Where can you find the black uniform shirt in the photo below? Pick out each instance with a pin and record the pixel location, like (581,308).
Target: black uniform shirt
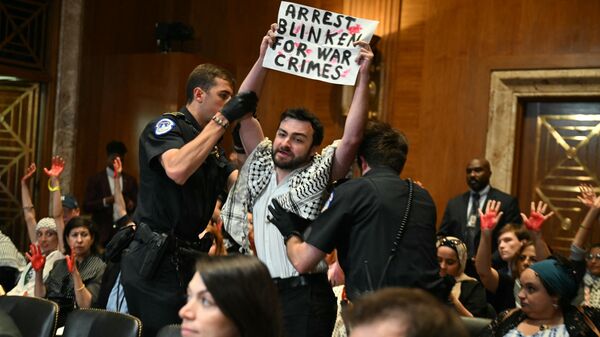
(361,222)
(163,204)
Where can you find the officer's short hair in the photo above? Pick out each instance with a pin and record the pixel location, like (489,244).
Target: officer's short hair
(383,146)
(203,76)
(304,115)
(416,311)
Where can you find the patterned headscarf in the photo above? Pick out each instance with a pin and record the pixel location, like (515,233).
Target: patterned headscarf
(46,223)
(461,252)
(458,246)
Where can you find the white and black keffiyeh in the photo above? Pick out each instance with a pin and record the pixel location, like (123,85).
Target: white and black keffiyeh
(305,196)
(591,288)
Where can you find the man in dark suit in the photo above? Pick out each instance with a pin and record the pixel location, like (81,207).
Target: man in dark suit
(99,199)
(461,218)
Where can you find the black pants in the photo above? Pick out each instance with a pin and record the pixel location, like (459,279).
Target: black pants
(309,305)
(156,302)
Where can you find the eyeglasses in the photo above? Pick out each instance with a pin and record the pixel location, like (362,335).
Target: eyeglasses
(591,256)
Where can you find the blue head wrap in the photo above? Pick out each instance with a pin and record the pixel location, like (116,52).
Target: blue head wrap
(557,278)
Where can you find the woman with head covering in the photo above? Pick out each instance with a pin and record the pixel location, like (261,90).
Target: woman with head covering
(468,295)
(231,296)
(548,287)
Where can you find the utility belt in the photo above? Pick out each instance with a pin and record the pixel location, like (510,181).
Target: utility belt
(300,281)
(157,245)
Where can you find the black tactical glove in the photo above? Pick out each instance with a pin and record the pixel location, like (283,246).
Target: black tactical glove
(288,223)
(239,105)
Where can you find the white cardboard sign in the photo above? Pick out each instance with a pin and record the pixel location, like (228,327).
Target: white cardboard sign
(318,44)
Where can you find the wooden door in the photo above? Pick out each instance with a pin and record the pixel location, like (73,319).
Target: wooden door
(559,150)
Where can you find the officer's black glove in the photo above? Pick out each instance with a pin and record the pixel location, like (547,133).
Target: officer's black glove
(239,105)
(288,223)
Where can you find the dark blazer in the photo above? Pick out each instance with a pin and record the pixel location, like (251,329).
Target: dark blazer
(455,216)
(98,188)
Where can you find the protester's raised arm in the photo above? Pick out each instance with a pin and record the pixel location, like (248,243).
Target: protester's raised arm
(483,260)
(27,203)
(357,116)
(251,132)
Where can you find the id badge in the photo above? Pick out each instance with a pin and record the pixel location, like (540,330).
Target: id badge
(472,220)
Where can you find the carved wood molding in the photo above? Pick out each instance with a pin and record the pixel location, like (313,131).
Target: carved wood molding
(507,88)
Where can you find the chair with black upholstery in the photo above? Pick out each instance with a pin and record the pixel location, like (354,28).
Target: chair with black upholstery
(101,323)
(475,325)
(172,330)
(33,316)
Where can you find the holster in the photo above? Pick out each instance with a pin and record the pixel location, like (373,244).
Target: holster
(154,245)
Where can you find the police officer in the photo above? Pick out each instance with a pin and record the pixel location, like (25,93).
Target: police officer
(182,172)
(364,221)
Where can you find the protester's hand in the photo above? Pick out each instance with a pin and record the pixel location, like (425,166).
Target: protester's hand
(287,222)
(489,220)
(268,40)
(536,216)
(117,167)
(239,105)
(29,172)
(71,265)
(335,274)
(364,57)
(588,197)
(35,256)
(58,165)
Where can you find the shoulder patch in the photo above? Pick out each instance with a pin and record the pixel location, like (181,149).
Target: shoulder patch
(163,126)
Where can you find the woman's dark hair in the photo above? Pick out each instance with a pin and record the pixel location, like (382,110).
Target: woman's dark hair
(420,313)
(244,291)
(76,222)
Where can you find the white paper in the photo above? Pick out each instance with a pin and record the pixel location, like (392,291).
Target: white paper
(318,44)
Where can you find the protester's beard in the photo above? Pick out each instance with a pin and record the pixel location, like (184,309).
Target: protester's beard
(291,163)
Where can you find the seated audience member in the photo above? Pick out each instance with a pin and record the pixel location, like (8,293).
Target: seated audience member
(231,296)
(74,282)
(111,295)
(70,208)
(591,279)
(99,196)
(403,312)
(11,262)
(549,286)
(514,248)
(45,235)
(468,295)
(46,245)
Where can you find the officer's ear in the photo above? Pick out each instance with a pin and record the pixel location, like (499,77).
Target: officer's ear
(199,94)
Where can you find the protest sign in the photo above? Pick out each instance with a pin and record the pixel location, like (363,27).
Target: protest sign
(318,44)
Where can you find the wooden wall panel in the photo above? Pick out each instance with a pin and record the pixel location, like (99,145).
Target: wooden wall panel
(449,49)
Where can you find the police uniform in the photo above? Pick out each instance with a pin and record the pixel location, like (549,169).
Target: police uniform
(166,209)
(362,220)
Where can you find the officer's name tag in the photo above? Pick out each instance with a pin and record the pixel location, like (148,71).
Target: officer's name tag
(472,220)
